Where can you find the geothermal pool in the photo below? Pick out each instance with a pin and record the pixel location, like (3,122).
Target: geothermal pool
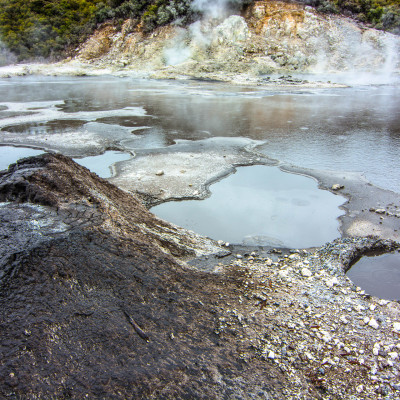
(378,275)
(103,122)
(261,206)
(10,154)
(345,129)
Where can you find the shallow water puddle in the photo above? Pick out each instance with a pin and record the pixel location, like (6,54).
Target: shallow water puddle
(261,205)
(102,164)
(10,154)
(378,275)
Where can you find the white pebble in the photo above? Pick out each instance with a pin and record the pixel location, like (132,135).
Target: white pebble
(306,272)
(373,323)
(332,282)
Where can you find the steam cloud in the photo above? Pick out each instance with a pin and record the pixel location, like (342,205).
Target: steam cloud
(362,60)
(199,32)
(6,56)
(217,8)
(210,8)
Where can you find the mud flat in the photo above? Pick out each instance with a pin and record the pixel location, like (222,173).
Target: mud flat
(98,300)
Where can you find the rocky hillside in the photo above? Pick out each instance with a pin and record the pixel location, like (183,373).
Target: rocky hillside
(270,36)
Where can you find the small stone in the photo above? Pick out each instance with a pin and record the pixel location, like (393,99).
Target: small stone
(283,273)
(309,355)
(271,355)
(331,282)
(239,256)
(337,186)
(160,172)
(383,302)
(380,211)
(396,327)
(306,272)
(373,323)
(393,355)
(326,337)
(344,320)
(321,371)
(359,388)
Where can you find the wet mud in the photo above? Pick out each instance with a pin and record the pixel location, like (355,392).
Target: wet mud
(98,301)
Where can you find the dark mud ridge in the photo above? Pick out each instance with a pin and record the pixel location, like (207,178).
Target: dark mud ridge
(97,302)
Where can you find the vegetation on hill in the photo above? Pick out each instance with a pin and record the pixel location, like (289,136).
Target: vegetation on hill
(381,14)
(49,28)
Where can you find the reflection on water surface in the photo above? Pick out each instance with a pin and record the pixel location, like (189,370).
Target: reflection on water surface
(9,155)
(378,275)
(102,164)
(348,129)
(261,206)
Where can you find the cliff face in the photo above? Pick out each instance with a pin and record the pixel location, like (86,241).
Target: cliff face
(271,36)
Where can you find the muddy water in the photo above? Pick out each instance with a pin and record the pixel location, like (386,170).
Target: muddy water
(10,154)
(261,205)
(350,129)
(343,129)
(102,165)
(378,275)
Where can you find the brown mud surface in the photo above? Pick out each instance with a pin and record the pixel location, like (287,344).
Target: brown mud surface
(97,301)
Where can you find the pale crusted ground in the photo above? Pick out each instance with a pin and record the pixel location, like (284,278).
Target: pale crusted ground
(326,331)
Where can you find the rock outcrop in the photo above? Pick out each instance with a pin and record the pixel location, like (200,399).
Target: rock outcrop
(96,303)
(92,304)
(271,36)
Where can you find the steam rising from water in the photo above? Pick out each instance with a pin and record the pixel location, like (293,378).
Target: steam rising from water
(199,35)
(361,59)
(6,56)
